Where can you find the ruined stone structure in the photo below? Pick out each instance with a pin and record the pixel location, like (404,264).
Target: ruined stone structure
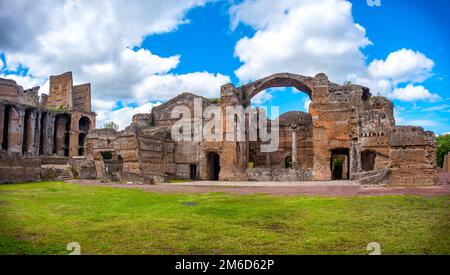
(42,130)
(347,134)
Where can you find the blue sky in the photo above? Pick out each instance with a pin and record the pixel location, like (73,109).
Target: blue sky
(147,53)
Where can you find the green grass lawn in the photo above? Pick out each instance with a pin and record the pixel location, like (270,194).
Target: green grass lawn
(42,218)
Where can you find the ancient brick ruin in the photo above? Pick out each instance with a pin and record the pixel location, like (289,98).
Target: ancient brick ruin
(347,134)
(40,131)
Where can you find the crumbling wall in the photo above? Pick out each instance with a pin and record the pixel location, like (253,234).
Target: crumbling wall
(413,157)
(82,97)
(60,93)
(31,134)
(19,169)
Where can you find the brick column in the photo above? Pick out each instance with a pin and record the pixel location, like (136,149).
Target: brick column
(48,133)
(15,130)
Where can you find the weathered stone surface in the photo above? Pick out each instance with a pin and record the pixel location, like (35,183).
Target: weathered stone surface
(278,174)
(18,168)
(345,124)
(51,129)
(82,168)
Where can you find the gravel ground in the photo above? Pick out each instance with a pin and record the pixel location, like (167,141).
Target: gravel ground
(322,189)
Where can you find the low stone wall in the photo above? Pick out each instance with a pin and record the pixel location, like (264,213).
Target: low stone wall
(278,174)
(50,173)
(18,169)
(137,179)
(83,169)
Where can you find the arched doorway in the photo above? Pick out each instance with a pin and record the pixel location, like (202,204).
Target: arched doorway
(84,125)
(213,166)
(295,86)
(61,137)
(299,82)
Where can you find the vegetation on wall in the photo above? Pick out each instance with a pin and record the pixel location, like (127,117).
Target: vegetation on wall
(443,148)
(111,125)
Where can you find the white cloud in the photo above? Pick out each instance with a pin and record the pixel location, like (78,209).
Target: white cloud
(262,98)
(94,40)
(302,36)
(441,108)
(306,105)
(413,93)
(123,116)
(419,122)
(403,66)
(163,87)
(308,37)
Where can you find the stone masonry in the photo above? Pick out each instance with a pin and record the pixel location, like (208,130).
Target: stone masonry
(347,134)
(42,130)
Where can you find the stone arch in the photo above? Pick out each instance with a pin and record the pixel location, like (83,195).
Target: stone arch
(61,137)
(301,83)
(84,124)
(12,133)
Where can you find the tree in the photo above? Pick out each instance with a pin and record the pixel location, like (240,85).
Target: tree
(443,147)
(111,125)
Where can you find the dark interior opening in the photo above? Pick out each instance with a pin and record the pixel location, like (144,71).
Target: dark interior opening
(81,142)
(6,128)
(340,164)
(193,172)
(61,137)
(84,125)
(213,160)
(288,162)
(107,155)
(26,132)
(113,163)
(42,134)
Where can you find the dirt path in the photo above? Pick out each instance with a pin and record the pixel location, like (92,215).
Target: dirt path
(282,189)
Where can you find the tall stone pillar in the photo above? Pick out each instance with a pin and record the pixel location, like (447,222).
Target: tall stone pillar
(294,146)
(48,133)
(31,134)
(15,130)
